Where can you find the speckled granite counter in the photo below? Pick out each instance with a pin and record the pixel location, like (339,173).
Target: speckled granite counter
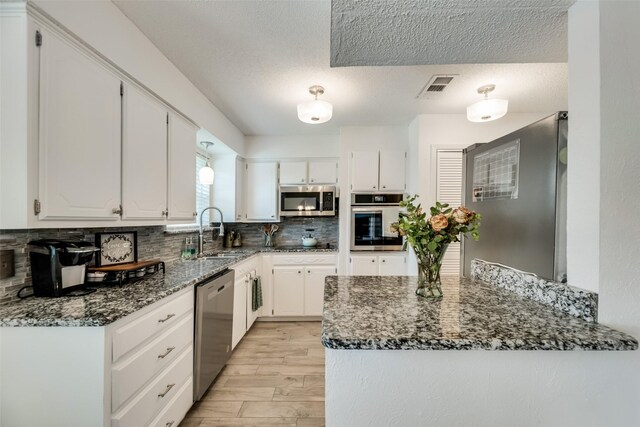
(109,304)
(383,313)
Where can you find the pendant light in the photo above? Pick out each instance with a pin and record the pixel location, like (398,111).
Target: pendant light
(487,109)
(315,111)
(206,172)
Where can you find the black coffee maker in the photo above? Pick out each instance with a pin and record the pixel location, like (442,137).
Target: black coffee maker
(58,267)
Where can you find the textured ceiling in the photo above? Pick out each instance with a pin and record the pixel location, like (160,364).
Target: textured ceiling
(255,59)
(412,32)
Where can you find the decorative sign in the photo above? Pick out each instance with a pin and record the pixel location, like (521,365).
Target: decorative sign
(496,173)
(117,248)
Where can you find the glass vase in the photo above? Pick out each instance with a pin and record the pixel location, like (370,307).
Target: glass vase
(429,264)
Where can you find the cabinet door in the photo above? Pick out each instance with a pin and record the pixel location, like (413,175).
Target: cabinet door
(392,265)
(239,309)
(392,170)
(288,291)
(262,195)
(293,172)
(364,171)
(314,288)
(241,213)
(364,265)
(144,156)
(79,134)
(182,169)
(323,172)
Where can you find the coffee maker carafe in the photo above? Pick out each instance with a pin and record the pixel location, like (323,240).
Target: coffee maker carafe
(57,266)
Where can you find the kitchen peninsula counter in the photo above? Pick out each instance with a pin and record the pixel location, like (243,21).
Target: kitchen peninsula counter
(383,313)
(447,373)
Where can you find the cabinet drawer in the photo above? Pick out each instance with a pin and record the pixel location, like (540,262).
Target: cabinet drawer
(304,259)
(175,410)
(129,336)
(157,395)
(133,372)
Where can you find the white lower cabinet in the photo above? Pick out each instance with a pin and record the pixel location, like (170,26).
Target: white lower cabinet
(298,284)
(243,315)
(378,265)
(152,363)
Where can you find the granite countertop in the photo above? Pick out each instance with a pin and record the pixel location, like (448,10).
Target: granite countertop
(110,303)
(383,313)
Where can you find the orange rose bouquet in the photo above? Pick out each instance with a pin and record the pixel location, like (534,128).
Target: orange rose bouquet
(430,236)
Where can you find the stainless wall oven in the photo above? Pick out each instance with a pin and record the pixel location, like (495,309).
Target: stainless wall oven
(371,219)
(307,200)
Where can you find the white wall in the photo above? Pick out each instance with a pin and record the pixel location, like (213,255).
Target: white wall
(292,146)
(361,138)
(101,24)
(583,169)
(619,289)
(455,130)
(481,388)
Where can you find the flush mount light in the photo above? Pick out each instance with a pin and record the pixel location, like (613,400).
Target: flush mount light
(315,111)
(487,109)
(206,172)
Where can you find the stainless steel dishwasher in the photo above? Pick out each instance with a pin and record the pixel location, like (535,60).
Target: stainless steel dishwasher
(213,329)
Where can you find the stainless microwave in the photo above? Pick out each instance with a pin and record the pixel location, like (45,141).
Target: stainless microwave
(307,200)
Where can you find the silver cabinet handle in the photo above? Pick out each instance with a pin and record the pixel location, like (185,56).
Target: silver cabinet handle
(312,180)
(384,260)
(117,211)
(302,180)
(169,424)
(165,212)
(168,389)
(374,187)
(169,316)
(308,271)
(195,214)
(166,353)
(373,260)
(384,186)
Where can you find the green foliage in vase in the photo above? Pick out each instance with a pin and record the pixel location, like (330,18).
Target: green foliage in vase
(430,233)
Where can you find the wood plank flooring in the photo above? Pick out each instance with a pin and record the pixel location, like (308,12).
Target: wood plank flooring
(274,378)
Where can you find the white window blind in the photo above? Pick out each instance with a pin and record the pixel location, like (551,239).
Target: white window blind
(203,192)
(449,190)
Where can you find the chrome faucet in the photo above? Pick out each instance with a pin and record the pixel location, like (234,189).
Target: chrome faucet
(201,234)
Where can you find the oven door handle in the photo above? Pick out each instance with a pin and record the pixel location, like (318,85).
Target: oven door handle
(366,210)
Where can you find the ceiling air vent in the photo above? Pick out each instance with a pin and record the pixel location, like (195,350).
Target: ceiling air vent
(436,85)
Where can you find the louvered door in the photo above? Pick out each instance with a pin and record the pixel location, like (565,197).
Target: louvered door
(449,190)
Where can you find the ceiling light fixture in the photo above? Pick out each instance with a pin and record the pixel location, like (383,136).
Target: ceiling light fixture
(487,109)
(315,111)
(206,173)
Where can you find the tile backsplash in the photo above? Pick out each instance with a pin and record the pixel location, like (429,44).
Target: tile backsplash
(154,242)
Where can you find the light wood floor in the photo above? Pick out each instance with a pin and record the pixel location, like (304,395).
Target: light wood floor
(274,378)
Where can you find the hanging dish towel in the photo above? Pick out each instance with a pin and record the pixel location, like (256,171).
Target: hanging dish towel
(256,293)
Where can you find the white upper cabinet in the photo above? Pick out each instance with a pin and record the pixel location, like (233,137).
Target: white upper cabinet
(144,156)
(364,171)
(323,172)
(293,173)
(392,171)
(261,191)
(378,171)
(182,169)
(228,187)
(79,142)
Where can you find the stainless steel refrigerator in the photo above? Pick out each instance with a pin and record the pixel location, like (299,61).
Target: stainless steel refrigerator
(518,184)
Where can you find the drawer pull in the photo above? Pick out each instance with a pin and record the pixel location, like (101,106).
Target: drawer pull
(169,350)
(169,316)
(169,387)
(170,423)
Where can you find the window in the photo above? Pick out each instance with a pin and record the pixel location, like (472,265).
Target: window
(203,192)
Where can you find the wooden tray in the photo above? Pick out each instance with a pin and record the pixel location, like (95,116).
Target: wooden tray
(120,272)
